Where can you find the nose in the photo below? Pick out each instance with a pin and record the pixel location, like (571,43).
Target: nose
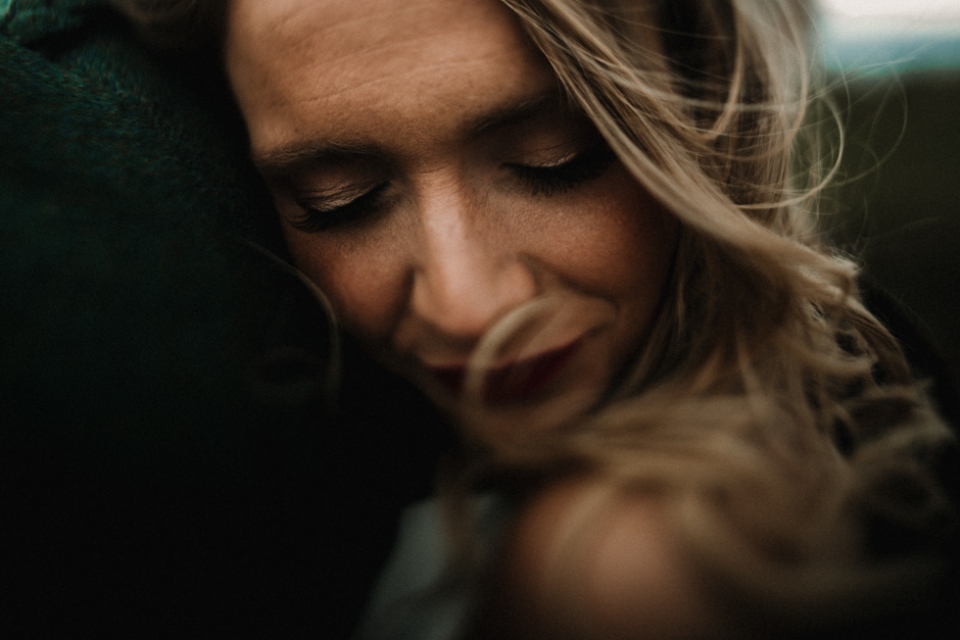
(469,272)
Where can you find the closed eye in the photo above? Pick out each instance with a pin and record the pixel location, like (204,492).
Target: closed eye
(548,180)
(320,215)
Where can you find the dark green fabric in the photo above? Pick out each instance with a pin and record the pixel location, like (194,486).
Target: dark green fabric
(107,253)
(167,465)
(27,22)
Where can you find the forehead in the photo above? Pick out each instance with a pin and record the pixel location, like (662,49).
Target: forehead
(341,69)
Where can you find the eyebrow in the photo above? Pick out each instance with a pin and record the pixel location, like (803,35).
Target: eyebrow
(281,159)
(531,107)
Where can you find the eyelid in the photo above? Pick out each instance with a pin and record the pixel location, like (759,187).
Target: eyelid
(552,164)
(316,217)
(571,155)
(583,166)
(327,184)
(554,148)
(335,199)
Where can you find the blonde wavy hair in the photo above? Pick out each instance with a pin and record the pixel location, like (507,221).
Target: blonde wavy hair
(775,414)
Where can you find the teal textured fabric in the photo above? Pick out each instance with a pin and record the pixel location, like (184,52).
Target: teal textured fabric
(25,22)
(167,463)
(115,194)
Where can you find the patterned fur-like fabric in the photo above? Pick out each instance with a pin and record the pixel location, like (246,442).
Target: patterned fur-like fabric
(167,464)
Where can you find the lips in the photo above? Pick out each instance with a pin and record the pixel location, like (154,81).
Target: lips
(515,381)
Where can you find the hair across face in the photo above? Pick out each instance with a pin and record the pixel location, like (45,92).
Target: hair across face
(431,177)
(596,192)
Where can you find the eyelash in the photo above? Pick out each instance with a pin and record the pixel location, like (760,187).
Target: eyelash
(541,180)
(552,180)
(367,205)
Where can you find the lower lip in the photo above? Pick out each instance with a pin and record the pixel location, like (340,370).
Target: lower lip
(518,381)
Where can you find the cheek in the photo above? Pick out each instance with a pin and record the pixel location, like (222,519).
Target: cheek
(363,281)
(618,244)
(627,254)
(641,253)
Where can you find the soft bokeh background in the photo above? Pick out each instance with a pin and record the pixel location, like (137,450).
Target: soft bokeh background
(896,69)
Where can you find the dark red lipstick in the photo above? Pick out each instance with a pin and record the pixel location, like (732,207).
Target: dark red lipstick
(514,381)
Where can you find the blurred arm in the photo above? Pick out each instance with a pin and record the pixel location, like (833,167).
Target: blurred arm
(624,575)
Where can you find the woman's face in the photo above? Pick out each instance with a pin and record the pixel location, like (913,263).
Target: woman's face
(430,178)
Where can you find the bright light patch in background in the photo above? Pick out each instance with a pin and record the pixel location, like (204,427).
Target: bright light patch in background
(891,34)
(921,9)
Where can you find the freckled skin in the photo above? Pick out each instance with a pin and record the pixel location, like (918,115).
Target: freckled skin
(462,241)
(464,238)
